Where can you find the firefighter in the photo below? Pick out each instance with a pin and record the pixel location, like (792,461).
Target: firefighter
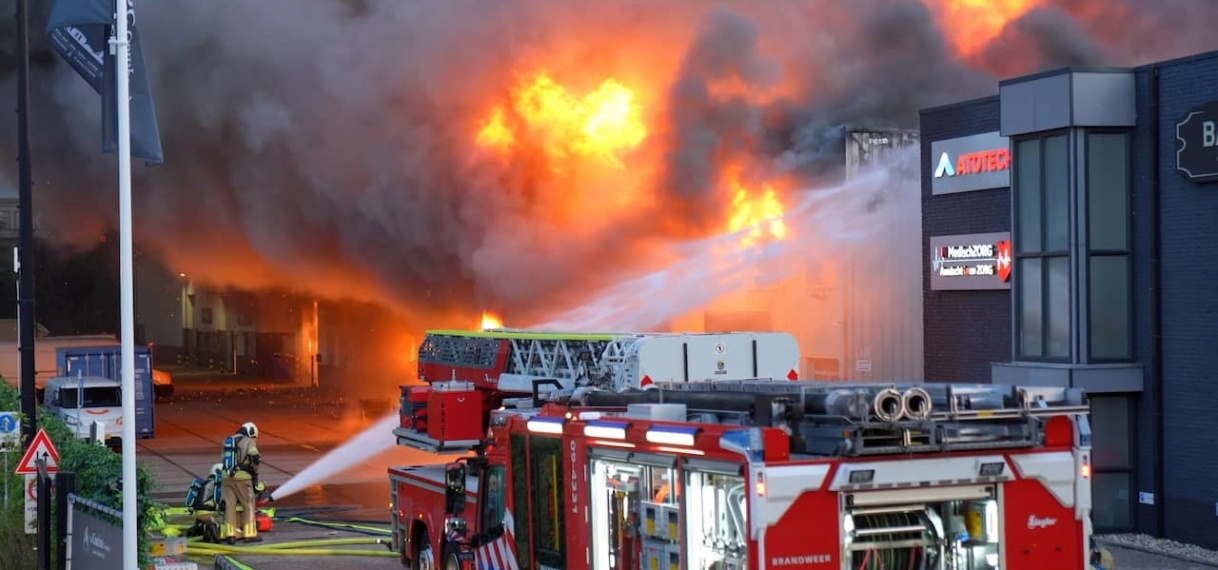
(237,488)
(209,495)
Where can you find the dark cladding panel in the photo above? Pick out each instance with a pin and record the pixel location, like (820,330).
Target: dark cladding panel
(965,331)
(1104,99)
(1035,105)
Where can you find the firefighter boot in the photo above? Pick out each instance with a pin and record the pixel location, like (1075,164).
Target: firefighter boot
(251,532)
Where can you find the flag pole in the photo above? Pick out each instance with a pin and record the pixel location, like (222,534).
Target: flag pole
(122,44)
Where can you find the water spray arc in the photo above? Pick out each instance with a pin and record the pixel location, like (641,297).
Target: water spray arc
(377,439)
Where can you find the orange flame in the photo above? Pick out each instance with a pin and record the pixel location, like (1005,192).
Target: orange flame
(760,215)
(970,25)
(601,124)
(496,133)
(491,321)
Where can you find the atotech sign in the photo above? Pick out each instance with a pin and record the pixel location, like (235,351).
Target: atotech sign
(965,164)
(971,262)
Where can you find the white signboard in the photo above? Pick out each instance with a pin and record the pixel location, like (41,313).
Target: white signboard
(31,504)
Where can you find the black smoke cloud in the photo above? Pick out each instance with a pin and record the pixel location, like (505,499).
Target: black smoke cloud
(325,145)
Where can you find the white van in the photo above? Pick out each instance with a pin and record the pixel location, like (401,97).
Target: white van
(84,400)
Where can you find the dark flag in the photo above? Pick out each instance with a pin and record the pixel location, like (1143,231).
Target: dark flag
(80,31)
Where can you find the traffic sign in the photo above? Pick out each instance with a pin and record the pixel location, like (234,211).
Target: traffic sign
(10,430)
(40,448)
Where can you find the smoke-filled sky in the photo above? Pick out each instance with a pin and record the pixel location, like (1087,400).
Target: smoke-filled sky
(329,145)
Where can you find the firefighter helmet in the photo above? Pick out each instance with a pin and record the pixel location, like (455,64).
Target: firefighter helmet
(217,470)
(250,429)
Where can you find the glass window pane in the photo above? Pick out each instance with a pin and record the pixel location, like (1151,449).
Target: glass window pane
(520,499)
(1027,192)
(494,503)
(1110,307)
(1110,504)
(1031,337)
(548,500)
(1058,300)
(1057,193)
(1107,190)
(1110,432)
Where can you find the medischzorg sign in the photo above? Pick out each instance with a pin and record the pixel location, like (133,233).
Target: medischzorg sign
(977,162)
(970,262)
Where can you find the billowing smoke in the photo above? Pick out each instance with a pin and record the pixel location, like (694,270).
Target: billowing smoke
(327,145)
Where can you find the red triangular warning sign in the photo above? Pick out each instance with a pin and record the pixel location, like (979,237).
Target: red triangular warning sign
(41,447)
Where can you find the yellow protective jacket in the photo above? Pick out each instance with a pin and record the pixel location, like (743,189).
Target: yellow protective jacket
(247,458)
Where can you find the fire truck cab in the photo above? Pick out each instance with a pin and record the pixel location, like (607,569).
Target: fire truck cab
(752,474)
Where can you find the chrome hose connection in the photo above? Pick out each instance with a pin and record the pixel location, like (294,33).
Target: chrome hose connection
(917,403)
(889,405)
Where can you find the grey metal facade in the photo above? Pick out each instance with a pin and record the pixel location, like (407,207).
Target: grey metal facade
(1155,409)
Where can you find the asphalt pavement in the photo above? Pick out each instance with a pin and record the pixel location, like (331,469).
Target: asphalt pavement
(1129,559)
(299,428)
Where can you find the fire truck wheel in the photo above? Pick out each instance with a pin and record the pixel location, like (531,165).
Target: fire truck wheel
(451,562)
(424,558)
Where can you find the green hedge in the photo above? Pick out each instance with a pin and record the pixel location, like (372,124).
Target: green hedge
(98,478)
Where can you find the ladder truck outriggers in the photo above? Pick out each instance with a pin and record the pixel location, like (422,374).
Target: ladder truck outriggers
(737,471)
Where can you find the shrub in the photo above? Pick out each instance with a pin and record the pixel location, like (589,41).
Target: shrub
(98,478)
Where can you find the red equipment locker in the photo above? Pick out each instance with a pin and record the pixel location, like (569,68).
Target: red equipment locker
(454,412)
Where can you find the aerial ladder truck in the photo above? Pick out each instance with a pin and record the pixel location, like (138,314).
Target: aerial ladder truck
(746,470)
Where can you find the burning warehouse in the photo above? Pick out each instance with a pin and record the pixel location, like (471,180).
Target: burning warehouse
(616,166)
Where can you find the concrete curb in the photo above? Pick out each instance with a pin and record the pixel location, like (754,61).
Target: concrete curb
(1145,550)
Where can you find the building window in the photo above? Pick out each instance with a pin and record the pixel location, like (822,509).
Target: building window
(1110,310)
(1042,252)
(1112,460)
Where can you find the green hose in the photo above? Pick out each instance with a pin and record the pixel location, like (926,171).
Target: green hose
(324,542)
(341,525)
(253,550)
(300,547)
(236,564)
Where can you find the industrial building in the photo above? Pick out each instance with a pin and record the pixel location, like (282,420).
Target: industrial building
(1066,232)
(856,317)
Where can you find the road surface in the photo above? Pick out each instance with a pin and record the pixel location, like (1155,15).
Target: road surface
(298,428)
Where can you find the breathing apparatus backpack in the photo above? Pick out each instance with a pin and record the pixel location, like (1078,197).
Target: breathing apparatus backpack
(194,498)
(229,455)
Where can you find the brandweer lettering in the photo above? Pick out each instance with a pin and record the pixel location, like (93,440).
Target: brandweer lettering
(983,161)
(802,559)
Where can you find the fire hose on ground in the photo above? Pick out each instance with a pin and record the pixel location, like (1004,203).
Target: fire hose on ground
(341,525)
(296,548)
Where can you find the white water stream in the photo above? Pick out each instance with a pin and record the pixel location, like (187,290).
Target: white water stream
(826,223)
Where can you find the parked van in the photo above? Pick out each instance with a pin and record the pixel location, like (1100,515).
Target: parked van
(84,400)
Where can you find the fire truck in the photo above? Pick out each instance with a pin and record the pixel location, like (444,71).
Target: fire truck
(507,367)
(732,473)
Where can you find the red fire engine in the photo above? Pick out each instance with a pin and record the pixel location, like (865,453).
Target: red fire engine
(709,473)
